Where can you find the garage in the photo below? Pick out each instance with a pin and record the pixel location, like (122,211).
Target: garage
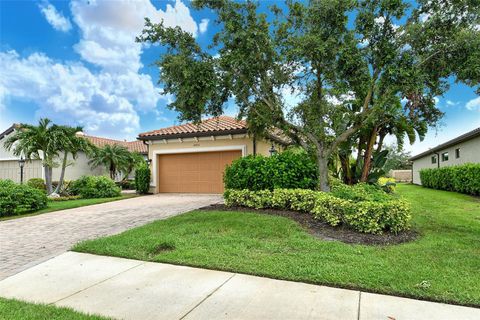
(198,172)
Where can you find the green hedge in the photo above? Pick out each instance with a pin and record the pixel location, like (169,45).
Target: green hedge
(392,215)
(284,170)
(20,198)
(95,187)
(463,178)
(142,179)
(37,183)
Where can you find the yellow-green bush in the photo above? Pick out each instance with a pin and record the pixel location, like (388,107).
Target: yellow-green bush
(387,184)
(367,216)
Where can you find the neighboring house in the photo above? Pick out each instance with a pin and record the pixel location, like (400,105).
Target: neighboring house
(191,158)
(462,149)
(9,168)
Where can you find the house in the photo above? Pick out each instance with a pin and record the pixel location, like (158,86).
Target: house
(9,166)
(191,157)
(462,149)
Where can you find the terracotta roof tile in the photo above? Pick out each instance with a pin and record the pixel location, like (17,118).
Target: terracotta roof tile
(133,146)
(212,125)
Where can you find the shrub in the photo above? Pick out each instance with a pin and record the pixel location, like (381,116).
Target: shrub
(142,179)
(387,184)
(18,198)
(126,184)
(37,183)
(288,170)
(462,178)
(65,189)
(95,187)
(368,216)
(360,192)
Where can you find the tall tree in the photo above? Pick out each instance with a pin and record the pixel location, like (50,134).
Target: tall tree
(68,143)
(35,142)
(344,78)
(114,157)
(135,160)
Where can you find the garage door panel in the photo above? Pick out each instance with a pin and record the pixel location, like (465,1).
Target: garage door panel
(193,172)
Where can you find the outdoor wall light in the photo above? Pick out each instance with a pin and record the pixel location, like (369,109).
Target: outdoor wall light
(272,150)
(21,164)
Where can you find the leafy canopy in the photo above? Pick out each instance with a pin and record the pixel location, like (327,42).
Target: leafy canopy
(384,67)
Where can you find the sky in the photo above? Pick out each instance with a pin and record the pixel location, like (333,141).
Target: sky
(76,62)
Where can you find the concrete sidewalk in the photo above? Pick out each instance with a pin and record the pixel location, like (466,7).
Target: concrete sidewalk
(131,289)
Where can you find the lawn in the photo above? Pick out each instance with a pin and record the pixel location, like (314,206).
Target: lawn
(441,265)
(14,309)
(68,204)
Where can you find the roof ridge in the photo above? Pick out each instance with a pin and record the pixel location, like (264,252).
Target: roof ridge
(213,124)
(461,138)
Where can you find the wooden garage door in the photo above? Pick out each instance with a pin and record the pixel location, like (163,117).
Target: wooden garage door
(193,172)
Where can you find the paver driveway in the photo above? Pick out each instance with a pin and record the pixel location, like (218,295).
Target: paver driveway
(28,241)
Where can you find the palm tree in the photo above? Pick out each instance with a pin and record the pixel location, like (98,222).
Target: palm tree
(68,142)
(134,161)
(35,142)
(114,157)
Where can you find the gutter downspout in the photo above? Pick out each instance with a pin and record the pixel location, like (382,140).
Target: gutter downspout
(438,159)
(254,145)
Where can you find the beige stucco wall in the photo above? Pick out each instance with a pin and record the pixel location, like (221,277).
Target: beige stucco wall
(4,154)
(469,153)
(206,144)
(79,167)
(9,168)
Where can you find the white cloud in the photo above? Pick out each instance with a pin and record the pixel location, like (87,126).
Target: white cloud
(106,101)
(451,103)
(103,103)
(55,18)
(203,25)
(424,17)
(109,29)
(473,104)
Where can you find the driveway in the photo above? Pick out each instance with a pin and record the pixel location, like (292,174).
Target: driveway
(25,242)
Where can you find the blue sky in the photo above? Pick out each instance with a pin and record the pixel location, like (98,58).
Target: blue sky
(76,62)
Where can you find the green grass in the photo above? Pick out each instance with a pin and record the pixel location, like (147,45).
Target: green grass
(68,204)
(442,265)
(18,310)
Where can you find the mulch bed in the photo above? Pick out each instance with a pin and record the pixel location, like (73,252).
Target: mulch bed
(324,231)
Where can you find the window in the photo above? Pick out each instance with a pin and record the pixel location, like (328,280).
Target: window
(445,156)
(434,159)
(457,153)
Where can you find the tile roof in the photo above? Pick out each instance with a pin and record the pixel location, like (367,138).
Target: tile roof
(133,146)
(214,126)
(464,137)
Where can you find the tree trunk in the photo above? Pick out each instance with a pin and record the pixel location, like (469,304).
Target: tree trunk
(62,173)
(322,164)
(367,157)
(48,178)
(112,172)
(380,142)
(346,169)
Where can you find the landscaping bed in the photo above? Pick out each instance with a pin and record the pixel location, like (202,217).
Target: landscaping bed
(440,265)
(323,230)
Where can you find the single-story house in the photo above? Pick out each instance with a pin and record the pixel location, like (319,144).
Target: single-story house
(9,165)
(460,150)
(191,158)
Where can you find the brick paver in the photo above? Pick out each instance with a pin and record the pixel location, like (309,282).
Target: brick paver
(28,241)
